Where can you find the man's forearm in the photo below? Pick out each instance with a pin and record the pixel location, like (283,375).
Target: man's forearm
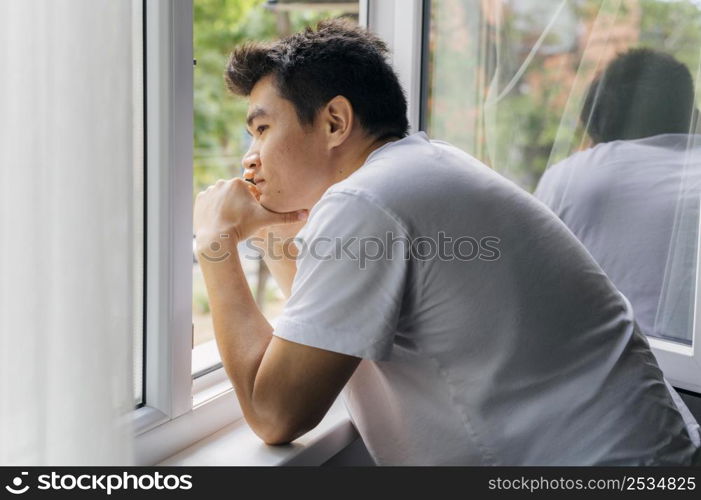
(242,333)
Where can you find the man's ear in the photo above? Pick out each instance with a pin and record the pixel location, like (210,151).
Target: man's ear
(338,120)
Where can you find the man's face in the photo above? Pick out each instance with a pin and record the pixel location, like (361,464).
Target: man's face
(289,162)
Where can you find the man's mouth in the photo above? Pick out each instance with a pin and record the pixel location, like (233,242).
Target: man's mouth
(255,182)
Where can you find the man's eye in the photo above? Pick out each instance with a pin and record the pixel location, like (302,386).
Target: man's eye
(261,128)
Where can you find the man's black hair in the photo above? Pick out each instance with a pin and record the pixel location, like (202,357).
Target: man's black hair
(313,66)
(641,93)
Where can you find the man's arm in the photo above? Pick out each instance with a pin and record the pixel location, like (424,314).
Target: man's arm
(284,388)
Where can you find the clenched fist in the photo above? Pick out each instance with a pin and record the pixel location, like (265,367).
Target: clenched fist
(231,207)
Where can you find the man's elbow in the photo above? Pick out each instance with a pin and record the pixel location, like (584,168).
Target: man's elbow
(279,436)
(283,430)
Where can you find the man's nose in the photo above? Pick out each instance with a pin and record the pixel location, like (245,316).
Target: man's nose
(251,160)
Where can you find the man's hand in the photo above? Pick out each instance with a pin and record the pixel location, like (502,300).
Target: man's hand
(231,207)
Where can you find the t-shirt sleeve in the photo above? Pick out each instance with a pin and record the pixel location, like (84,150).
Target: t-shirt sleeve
(351,273)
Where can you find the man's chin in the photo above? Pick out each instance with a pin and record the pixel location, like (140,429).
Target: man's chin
(271,205)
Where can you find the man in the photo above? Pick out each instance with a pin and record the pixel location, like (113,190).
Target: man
(481,332)
(633,198)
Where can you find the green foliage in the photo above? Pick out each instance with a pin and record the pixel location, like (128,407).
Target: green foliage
(518,134)
(219,25)
(673,27)
(200,303)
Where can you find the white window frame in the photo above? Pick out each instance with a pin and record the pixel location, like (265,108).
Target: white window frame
(681,364)
(177,412)
(400,24)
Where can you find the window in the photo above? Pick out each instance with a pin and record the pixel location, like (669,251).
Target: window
(509,82)
(506,85)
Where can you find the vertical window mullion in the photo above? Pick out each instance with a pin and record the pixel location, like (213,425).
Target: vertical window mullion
(169,217)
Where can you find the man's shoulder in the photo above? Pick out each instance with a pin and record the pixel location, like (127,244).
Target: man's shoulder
(348,201)
(437,178)
(347,211)
(561,174)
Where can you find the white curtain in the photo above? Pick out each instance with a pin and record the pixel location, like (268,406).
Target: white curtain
(67,245)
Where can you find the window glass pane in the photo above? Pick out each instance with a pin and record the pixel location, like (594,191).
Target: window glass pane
(516,84)
(220,133)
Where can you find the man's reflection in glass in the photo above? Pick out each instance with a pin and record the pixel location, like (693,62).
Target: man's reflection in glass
(633,198)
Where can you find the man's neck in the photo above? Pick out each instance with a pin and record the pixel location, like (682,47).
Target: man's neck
(360,156)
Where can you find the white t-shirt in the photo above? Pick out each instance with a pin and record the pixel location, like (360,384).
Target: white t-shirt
(517,350)
(635,206)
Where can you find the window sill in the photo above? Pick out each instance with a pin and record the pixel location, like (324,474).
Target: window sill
(236,444)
